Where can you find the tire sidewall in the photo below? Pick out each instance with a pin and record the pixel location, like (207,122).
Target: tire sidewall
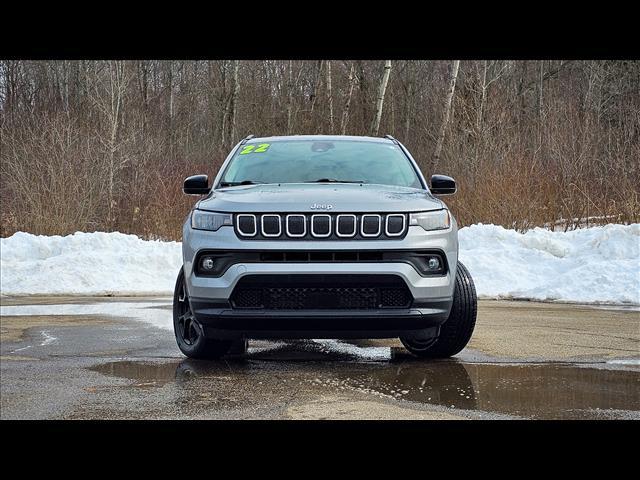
(189,350)
(456,331)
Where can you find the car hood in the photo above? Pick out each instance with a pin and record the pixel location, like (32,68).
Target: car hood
(319,197)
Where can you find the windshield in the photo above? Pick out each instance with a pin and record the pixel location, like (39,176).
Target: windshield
(297,161)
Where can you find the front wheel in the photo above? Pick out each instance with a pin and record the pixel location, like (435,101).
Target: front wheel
(189,332)
(456,332)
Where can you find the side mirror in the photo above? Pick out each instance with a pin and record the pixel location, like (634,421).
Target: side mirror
(442,185)
(196,185)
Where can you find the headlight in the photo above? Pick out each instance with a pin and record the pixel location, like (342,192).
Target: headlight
(201,220)
(438,220)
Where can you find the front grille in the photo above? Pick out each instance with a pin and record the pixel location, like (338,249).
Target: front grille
(303,257)
(320,226)
(312,292)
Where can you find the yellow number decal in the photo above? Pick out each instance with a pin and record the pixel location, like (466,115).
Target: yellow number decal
(247,149)
(261,148)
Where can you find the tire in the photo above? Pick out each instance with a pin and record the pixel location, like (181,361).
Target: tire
(189,333)
(456,332)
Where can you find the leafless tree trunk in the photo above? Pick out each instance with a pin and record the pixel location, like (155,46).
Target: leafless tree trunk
(316,87)
(111,104)
(445,115)
(347,103)
(375,125)
(234,103)
(483,96)
(289,97)
(407,117)
(329,96)
(224,102)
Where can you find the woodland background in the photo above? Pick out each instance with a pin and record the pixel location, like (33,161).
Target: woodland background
(105,145)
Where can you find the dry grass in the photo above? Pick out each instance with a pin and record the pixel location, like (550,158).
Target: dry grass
(109,151)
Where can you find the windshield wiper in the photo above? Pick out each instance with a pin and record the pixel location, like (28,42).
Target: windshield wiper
(243,182)
(333,180)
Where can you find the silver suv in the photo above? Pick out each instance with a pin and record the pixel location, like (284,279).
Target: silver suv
(321,237)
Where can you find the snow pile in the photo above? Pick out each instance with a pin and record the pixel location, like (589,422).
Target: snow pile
(594,265)
(87,264)
(591,265)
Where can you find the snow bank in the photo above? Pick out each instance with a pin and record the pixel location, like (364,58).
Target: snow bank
(591,265)
(87,264)
(594,265)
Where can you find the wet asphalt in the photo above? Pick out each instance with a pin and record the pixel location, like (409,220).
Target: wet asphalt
(116,358)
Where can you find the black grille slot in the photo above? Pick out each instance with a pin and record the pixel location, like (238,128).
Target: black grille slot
(346,225)
(346,256)
(272,256)
(296,225)
(370,256)
(321,292)
(395,225)
(271,225)
(320,256)
(320,225)
(297,257)
(371,225)
(247,225)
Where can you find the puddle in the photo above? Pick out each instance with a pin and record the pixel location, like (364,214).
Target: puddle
(628,308)
(549,391)
(543,391)
(158,373)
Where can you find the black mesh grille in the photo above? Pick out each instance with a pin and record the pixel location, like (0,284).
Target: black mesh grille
(346,225)
(394,297)
(395,224)
(248,298)
(303,296)
(371,225)
(296,225)
(271,225)
(320,225)
(247,225)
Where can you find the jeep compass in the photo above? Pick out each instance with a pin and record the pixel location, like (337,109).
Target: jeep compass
(321,237)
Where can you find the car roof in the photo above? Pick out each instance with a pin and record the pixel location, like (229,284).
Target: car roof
(327,138)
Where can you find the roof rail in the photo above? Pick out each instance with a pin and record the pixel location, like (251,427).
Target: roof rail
(392,139)
(246,139)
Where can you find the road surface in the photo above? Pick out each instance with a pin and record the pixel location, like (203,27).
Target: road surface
(116,358)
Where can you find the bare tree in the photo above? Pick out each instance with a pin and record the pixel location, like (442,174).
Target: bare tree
(445,115)
(108,97)
(234,103)
(329,95)
(289,96)
(347,103)
(102,145)
(375,125)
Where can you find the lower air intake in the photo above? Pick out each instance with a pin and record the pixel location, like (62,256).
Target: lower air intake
(303,292)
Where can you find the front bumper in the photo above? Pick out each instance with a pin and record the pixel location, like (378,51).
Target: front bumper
(227,323)
(210,296)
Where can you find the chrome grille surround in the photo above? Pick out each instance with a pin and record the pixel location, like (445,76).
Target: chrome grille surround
(386,225)
(255,224)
